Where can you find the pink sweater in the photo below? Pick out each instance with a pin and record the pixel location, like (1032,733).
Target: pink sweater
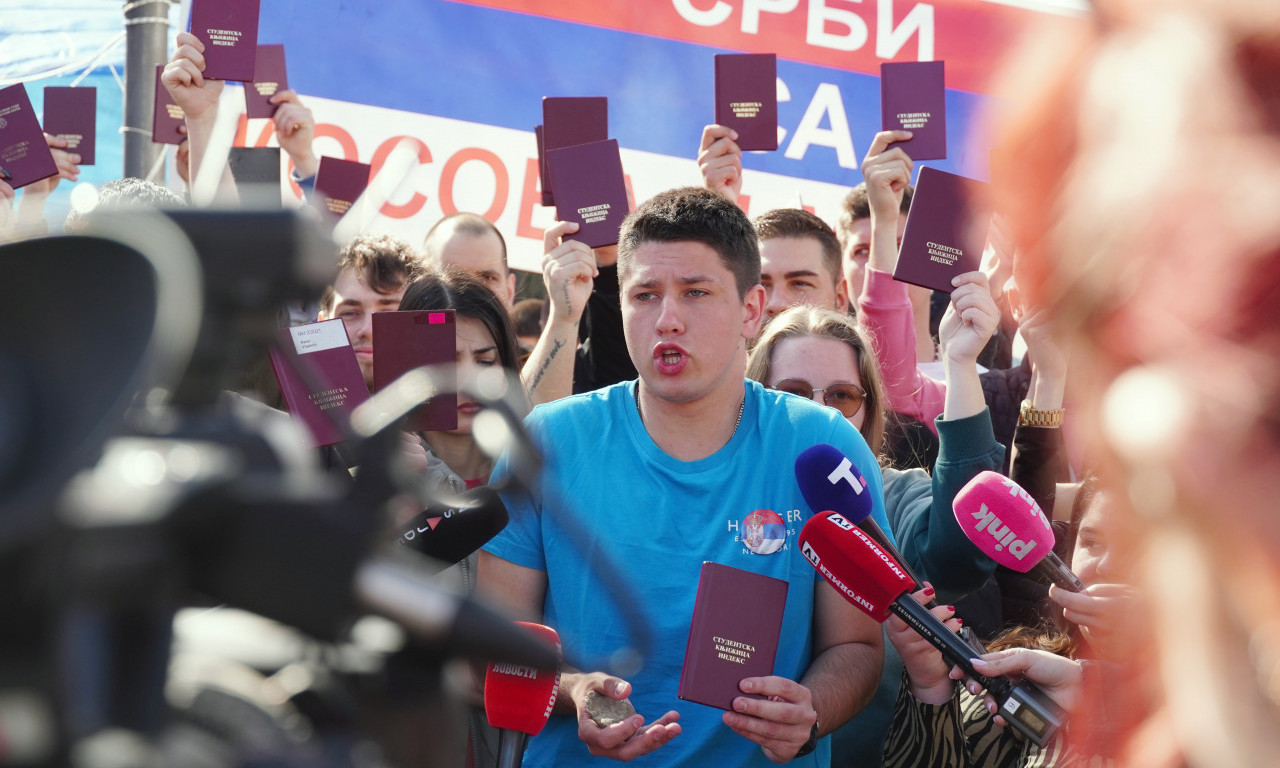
(884,309)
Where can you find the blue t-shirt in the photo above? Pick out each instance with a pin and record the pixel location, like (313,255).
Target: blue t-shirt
(621,529)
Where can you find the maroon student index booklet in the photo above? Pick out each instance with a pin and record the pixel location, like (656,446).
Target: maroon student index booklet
(339,183)
(333,386)
(270,76)
(946,230)
(24,155)
(747,98)
(406,340)
(913,97)
(229,31)
(568,121)
(737,618)
(71,114)
(168,116)
(590,190)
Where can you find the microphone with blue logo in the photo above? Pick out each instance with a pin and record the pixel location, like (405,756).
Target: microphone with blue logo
(830,482)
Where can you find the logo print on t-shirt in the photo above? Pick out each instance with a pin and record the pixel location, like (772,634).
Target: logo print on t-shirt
(763,532)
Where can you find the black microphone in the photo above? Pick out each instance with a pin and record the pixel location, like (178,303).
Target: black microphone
(870,579)
(451,528)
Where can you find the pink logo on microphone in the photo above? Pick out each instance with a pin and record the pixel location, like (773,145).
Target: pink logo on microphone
(1003,534)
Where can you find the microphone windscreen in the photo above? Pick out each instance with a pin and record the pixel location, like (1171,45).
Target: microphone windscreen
(829,481)
(1004,521)
(853,563)
(520,698)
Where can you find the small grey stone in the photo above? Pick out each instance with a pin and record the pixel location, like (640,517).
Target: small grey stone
(606,711)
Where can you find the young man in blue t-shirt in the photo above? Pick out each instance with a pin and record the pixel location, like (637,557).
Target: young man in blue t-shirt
(650,478)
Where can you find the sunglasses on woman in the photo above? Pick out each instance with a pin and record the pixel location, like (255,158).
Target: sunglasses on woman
(845,398)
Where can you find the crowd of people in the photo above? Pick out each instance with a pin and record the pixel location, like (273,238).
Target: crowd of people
(1115,356)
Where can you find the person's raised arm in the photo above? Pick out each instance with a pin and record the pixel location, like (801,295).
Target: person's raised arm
(966,446)
(720,161)
(1038,461)
(184,78)
(296,130)
(966,328)
(885,305)
(568,269)
(6,212)
(30,217)
(844,673)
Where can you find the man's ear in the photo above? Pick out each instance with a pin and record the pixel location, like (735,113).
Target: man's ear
(752,311)
(843,295)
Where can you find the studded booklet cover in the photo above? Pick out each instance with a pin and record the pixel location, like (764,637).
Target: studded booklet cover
(913,97)
(319,377)
(24,155)
(747,97)
(71,114)
(946,230)
(406,340)
(737,618)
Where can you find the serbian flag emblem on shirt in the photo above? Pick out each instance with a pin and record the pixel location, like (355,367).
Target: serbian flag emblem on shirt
(763,532)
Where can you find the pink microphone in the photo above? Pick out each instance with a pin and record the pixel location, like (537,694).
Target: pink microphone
(1006,523)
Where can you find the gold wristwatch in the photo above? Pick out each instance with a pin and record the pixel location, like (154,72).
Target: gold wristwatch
(1034,417)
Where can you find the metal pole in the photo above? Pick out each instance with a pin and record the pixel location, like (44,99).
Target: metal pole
(146,45)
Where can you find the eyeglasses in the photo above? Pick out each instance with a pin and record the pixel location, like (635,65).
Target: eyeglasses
(845,398)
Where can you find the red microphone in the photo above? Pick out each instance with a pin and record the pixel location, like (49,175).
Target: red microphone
(518,699)
(1006,523)
(876,584)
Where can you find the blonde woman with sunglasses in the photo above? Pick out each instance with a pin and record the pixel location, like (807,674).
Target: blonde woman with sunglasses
(826,356)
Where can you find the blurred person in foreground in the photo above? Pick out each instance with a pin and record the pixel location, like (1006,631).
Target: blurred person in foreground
(1139,171)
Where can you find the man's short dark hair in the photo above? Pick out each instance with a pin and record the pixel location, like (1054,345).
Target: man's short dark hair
(465,223)
(128,193)
(384,263)
(699,215)
(856,205)
(794,222)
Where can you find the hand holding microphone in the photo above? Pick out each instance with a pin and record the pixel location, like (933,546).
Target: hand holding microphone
(874,582)
(830,483)
(1006,523)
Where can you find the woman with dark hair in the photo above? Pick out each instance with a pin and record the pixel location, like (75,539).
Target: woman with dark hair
(488,360)
(486,341)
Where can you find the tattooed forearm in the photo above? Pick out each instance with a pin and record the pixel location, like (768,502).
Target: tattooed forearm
(542,369)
